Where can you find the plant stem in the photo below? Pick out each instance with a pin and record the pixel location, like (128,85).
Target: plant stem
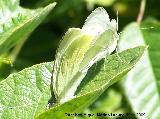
(16,50)
(141,11)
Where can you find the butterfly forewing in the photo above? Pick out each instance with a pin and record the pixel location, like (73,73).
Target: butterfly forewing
(69,64)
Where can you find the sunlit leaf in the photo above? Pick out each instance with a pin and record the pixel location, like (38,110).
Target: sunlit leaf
(97,80)
(16,23)
(140,84)
(25,94)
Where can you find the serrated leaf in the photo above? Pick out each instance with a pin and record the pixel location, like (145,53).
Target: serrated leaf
(79,50)
(16,23)
(140,84)
(95,82)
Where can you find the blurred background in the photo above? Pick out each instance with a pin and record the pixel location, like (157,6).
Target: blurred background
(43,42)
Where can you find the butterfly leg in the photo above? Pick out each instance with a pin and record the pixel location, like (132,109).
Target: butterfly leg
(118,55)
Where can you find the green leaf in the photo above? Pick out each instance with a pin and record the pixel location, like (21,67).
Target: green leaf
(97,80)
(151,34)
(25,94)
(16,23)
(140,84)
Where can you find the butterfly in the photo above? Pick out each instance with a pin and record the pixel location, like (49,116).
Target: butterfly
(79,50)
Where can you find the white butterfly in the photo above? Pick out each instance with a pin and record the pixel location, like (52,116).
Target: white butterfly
(79,50)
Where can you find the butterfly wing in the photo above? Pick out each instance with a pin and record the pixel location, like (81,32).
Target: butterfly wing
(79,50)
(69,56)
(98,22)
(105,44)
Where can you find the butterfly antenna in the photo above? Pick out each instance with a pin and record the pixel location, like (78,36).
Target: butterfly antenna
(117,21)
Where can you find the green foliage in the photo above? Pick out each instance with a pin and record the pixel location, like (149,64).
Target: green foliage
(144,97)
(86,63)
(25,94)
(16,23)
